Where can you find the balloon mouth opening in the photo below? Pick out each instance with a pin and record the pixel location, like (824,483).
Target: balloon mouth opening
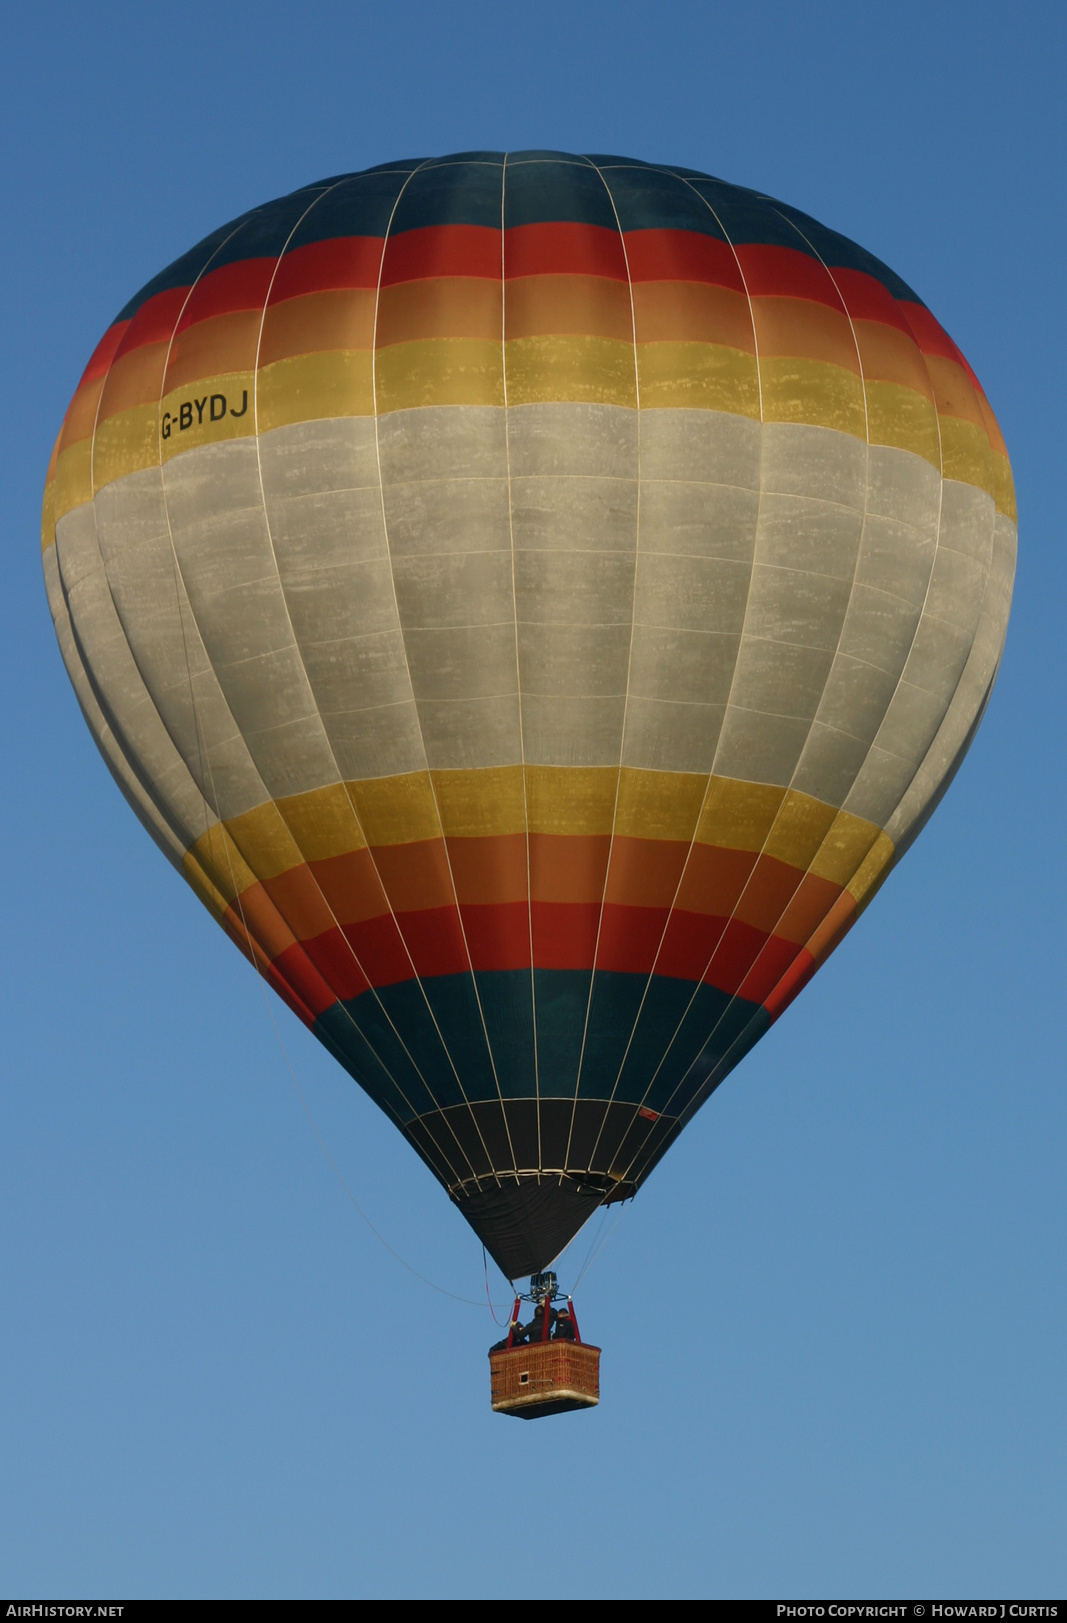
(528,1219)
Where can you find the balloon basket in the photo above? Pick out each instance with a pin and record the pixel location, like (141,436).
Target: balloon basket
(544,1378)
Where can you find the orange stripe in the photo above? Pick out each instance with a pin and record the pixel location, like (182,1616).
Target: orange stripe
(415,876)
(591,305)
(645,873)
(952,390)
(568,867)
(81,414)
(692,312)
(225,343)
(992,427)
(489,871)
(764,891)
(444,307)
(890,356)
(135,379)
(802,328)
(342,320)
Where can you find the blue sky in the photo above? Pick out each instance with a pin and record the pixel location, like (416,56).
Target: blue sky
(834,1319)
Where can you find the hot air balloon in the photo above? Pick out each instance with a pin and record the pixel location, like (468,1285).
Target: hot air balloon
(533,600)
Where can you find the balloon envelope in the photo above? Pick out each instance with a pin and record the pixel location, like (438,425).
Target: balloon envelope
(533,600)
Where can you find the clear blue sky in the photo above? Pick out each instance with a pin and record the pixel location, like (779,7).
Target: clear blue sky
(834,1319)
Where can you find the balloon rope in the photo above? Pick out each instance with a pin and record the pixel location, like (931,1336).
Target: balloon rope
(589,1261)
(500,1323)
(597,1232)
(468,1301)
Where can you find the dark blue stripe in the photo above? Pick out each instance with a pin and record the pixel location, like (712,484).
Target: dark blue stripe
(354,206)
(402,1033)
(835,249)
(450,194)
(259,234)
(539,191)
(648,199)
(541,187)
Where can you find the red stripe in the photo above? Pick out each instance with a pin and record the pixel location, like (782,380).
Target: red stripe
(630,938)
(932,338)
(323,267)
(681,256)
(776,959)
(276,980)
(498,936)
(564,934)
(564,248)
(782,966)
(868,299)
(727,954)
(827,937)
(434,939)
(154,321)
(294,976)
(786,273)
(241,286)
(104,353)
(378,945)
(929,334)
(688,944)
(791,984)
(442,250)
(733,956)
(335,961)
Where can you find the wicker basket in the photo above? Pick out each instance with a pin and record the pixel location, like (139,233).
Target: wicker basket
(546,1377)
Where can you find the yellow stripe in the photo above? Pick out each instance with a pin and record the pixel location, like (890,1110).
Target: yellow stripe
(659,805)
(1004,485)
(799,830)
(48,516)
(817,392)
(264,838)
(275,838)
(322,822)
(215,856)
(272,839)
(126,443)
(482,803)
(844,848)
(872,871)
(570,367)
(738,815)
(708,377)
(571,799)
(793,827)
(396,811)
(73,481)
(965,453)
(233,387)
(337,383)
(204,887)
(900,416)
(439,372)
